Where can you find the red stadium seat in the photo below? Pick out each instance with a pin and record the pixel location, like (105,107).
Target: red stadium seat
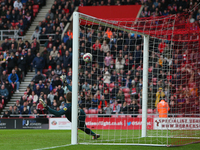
(44,71)
(86,111)
(112,85)
(122,116)
(126,90)
(114,116)
(54,90)
(35,10)
(2,101)
(92,111)
(150,111)
(128,100)
(126,95)
(35,6)
(13,24)
(31,116)
(93,116)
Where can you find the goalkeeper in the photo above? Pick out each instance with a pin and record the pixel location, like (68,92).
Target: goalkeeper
(66,110)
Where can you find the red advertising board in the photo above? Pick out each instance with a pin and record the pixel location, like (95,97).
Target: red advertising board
(117,123)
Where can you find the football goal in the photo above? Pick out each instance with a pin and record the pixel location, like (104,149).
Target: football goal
(142,86)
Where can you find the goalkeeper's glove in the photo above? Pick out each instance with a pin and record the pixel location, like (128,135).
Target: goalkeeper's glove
(44,104)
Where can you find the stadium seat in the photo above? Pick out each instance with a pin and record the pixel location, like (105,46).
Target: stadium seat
(2,101)
(149,111)
(35,10)
(86,111)
(35,6)
(126,95)
(114,116)
(93,116)
(31,116)
(44,71)
(128,100)
(122,116)
(92,111)
(112,85)
(140,111)
(126,90)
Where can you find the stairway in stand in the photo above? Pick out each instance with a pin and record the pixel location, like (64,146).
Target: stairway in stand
(22,88)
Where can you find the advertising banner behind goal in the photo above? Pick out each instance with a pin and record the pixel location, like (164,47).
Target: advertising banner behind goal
(176,123)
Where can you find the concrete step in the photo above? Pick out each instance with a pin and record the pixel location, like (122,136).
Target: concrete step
(10,105)
(11,102)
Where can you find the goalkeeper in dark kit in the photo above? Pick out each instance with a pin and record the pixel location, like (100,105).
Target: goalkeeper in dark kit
(67,111)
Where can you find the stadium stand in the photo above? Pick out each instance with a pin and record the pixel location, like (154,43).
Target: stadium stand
(56,64)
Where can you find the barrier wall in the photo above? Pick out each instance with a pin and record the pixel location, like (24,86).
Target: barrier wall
(103,123)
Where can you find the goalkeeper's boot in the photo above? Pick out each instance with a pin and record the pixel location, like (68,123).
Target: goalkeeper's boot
(43,103)
(96,136)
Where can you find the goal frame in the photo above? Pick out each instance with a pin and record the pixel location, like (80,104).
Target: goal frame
(74,132)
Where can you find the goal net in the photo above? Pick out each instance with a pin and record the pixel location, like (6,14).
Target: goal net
(142,86)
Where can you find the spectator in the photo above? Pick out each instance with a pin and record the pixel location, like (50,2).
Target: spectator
(124,108)
(67,60)
(36,33)
(22,65)
(33,107)
(58,59)
(37,90)
(58,70)
(4,93)
(94,103)
(6,114)
(159,94)
(17,5)
(41,85)
(60,91)
(15,110)
(134,108)
(33,97)
(116,108)
(56,82)
(108,110)
(51,63)
(4,77)
(12,61)
(105,47)
(119,63)
(38,63)
(5,45)
(163,109)
(14,80)
(46,90)
(38,77)
(106,76)
(108,60)
(120,97)
(196,107)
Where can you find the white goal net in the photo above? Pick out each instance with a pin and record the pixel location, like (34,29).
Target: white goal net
(142,86)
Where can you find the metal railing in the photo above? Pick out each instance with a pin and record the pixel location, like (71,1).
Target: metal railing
(10,34)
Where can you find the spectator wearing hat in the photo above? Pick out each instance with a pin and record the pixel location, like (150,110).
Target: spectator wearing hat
(38,63)
(159,94)
(14,80)
(163,109)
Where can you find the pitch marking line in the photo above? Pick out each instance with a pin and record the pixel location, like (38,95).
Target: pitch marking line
(53,147)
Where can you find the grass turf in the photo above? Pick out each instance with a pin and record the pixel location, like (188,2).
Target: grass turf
(37,139)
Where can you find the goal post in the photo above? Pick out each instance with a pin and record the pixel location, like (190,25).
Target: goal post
(75,78)
(136,64)
(145,85)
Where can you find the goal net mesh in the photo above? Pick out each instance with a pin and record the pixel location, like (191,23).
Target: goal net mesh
(110,87)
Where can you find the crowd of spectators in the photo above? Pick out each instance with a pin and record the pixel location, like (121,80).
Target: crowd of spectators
(18,14)
(112,82)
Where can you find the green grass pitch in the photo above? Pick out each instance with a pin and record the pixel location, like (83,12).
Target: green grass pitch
(39,139)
